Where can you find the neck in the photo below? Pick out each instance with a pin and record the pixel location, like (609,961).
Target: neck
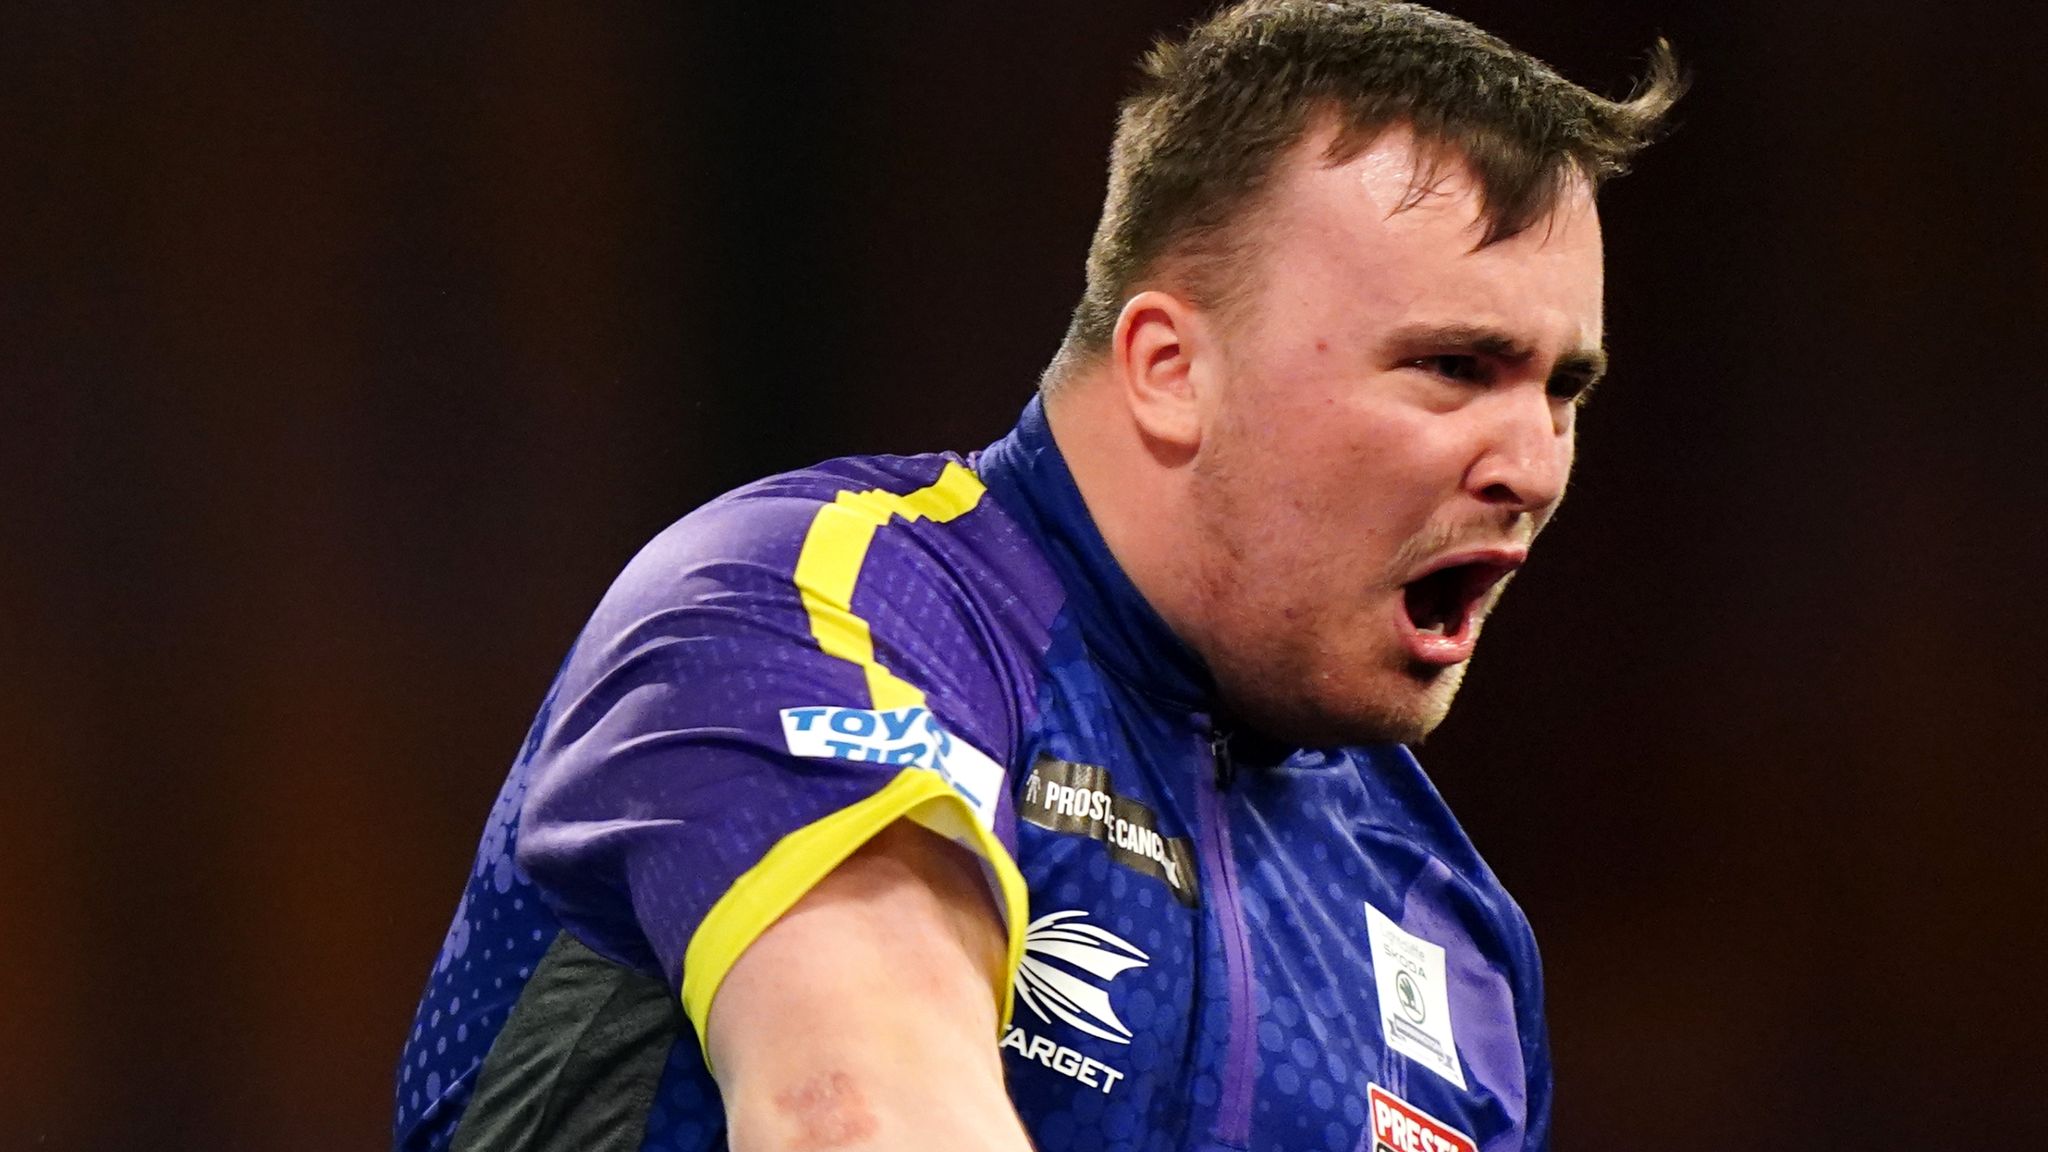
(1138,500)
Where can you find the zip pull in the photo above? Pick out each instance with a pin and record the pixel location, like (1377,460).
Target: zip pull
(1226,768)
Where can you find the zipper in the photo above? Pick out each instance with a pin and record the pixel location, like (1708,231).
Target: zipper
(1233,1125)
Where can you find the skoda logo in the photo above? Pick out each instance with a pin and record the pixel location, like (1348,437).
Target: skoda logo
(1410,996)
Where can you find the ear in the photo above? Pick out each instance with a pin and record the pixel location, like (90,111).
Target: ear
(1160,357)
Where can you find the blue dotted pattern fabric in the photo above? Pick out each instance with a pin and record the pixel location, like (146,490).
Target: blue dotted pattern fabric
(500,930)
(1244,1018)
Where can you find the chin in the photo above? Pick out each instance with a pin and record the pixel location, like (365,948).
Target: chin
(1403,708)
(1433,704)
(1396,725)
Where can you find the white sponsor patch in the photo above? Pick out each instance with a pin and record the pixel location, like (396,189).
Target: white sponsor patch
(1415,1004)
(905,737)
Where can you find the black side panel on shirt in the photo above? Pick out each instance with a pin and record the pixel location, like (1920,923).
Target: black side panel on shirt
(578,1061)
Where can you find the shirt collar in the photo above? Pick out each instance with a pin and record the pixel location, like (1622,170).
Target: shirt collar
(1028,477)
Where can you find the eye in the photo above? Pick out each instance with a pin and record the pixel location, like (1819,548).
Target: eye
(1571,387)
(1463,369)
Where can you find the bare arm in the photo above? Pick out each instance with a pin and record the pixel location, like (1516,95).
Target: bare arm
(865,1019)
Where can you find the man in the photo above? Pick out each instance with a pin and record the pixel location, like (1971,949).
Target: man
(1055,796)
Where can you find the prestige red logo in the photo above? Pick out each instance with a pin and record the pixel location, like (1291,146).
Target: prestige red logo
(1398,1126)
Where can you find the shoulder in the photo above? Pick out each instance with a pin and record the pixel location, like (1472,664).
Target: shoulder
(820,525)
(896,574)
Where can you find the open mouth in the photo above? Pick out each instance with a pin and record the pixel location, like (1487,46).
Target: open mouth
(1442,605)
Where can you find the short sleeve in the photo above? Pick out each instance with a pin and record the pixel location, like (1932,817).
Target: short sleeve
(770,683)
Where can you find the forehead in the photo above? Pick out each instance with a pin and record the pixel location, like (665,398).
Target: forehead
(1369,239)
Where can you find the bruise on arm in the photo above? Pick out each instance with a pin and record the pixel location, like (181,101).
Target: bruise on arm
(825,1112)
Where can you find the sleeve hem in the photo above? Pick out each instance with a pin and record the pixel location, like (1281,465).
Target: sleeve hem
(799,860)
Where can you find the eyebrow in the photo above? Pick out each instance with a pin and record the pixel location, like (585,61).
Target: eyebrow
(1587,364)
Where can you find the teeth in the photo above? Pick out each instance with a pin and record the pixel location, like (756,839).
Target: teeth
(1434,607)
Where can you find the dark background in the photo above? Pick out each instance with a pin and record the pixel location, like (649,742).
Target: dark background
(349,351)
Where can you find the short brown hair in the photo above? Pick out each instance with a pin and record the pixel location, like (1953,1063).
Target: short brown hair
(1198,139)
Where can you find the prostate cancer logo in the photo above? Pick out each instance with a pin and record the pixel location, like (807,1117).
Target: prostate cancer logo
(1061,952)
(1081,800)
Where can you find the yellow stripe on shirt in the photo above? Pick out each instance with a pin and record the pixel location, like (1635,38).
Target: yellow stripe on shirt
(836,548)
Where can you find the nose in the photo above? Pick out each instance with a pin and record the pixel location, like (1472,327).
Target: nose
(1525,451)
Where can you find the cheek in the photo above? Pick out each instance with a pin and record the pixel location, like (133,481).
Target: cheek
(1334,472)
(1370,465)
